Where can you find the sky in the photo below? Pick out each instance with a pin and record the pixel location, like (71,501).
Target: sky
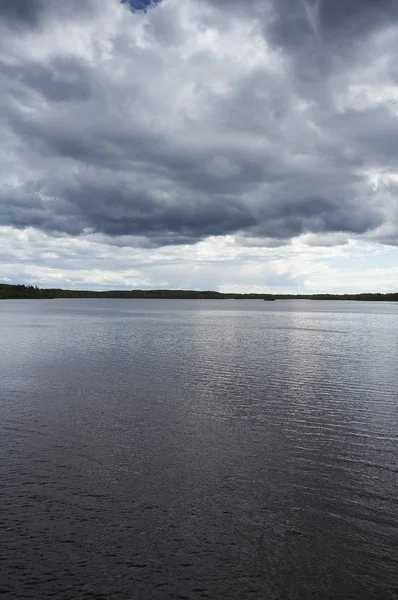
(199,144)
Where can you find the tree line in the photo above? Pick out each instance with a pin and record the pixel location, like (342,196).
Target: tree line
(28,292)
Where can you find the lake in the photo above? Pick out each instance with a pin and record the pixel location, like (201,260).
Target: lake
(161,449)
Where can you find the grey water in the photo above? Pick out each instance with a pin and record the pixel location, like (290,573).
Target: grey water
(168,449)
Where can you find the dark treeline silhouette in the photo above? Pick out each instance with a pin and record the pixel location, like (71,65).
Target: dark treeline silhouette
(31,292)
(11,292)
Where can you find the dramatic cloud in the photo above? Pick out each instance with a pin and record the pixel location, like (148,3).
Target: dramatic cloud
(261,122)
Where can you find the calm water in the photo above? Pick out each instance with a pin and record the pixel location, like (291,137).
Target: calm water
(198,449)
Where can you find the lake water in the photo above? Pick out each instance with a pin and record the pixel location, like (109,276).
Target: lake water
(161,449)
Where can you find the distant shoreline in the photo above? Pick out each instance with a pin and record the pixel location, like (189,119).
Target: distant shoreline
(21,292)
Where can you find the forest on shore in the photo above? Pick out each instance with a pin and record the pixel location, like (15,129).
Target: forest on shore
(31,292)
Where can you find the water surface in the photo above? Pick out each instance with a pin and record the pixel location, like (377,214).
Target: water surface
(198,449)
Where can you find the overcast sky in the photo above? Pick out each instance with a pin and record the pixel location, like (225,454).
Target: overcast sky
(237,145)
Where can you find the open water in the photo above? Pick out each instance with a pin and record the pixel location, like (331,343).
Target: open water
(162,449)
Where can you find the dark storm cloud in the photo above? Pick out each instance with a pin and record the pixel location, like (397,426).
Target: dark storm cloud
(259,191)
(318,34)
(355,17)
(124,138)
(25,206)
(291,20)
(118,209)
(31,13)
(316,214)
(86,203)
(64,79)
(315,32)
(25,12)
